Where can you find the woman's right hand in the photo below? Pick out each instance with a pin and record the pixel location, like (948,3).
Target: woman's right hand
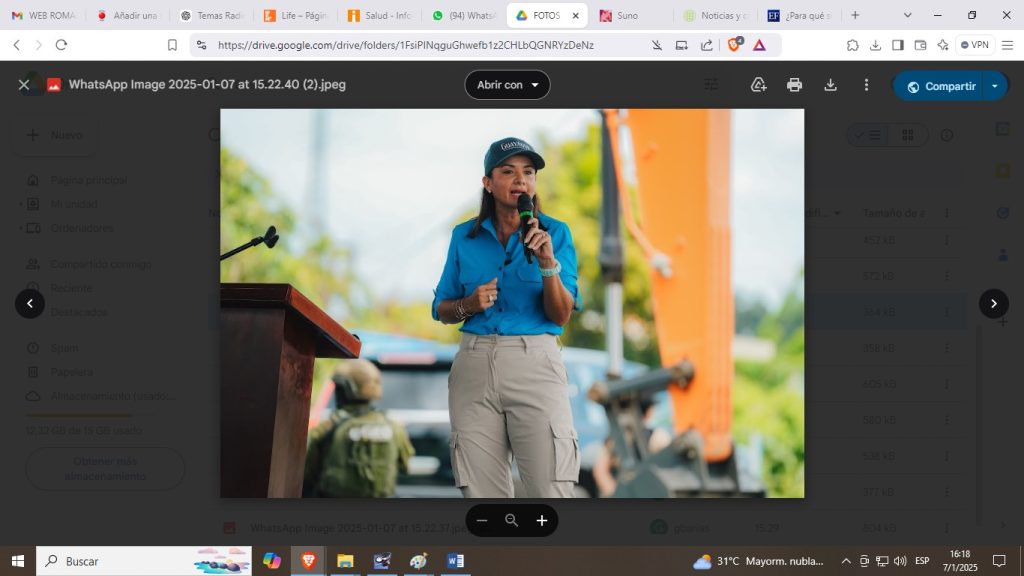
(483,297)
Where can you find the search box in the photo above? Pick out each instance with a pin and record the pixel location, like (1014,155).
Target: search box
(142,560)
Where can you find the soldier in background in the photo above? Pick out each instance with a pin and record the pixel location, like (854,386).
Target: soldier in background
(356,452)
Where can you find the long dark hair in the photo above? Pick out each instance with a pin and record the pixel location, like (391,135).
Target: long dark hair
(487,211)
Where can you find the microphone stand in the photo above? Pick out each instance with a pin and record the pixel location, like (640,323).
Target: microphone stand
(270,239)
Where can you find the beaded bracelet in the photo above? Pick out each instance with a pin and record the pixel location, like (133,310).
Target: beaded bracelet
(547,272)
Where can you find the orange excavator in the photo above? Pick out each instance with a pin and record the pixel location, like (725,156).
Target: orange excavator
(682,160)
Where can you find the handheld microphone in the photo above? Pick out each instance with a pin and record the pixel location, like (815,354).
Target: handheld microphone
(270,239)
(525,205)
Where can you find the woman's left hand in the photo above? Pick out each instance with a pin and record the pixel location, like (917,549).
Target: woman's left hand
(540,242)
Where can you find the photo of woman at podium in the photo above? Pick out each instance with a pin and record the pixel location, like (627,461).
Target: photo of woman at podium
(517,279)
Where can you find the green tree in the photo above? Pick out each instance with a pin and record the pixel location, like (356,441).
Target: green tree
(318,268)
(768,397)
(570,188)
(749,313)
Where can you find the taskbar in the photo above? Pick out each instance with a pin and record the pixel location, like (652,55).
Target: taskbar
(454,560)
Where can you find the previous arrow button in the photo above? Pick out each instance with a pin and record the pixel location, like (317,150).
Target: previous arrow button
(29,303)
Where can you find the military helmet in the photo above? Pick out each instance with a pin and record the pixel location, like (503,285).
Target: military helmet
(357,380)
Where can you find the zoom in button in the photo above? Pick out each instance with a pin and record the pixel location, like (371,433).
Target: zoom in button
(507,84)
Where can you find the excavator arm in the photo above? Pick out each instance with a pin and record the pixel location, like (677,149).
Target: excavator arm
(681,223)
(682,160)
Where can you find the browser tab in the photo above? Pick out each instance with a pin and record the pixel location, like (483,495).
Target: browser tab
(716,17)
(480,17)
(384,17)
(47,18)
(544,15)
(631,16)
(219,18)
(813,17)
(131,17)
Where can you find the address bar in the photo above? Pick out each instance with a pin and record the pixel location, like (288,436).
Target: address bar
(471,45)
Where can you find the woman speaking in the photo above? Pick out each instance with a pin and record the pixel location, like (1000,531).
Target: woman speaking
(507,392)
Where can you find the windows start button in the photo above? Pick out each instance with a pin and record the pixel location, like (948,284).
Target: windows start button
(543,15)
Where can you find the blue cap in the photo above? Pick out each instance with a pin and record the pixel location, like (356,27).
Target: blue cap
(506,148)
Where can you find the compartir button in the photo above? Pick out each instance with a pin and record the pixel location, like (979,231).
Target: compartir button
(507,84)
(29,303)
(950,85)
(994,303)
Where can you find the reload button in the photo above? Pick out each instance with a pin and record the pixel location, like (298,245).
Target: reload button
(507,84)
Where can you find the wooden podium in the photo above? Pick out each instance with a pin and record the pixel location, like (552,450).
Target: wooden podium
(269,336)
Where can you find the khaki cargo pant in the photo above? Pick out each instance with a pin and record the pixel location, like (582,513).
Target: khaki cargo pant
(508,395)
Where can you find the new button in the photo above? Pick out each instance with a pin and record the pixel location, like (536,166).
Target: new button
(950,85)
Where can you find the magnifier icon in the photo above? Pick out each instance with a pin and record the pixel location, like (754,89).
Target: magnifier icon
(511,519)
(51,560)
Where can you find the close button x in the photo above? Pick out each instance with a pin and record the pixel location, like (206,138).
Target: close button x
(575,15)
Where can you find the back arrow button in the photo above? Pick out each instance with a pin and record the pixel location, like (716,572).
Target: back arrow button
(29,303)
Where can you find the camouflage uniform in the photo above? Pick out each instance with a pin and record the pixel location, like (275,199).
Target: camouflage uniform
(357,452)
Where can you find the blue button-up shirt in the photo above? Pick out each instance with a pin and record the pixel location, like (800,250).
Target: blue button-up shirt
(519,309)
